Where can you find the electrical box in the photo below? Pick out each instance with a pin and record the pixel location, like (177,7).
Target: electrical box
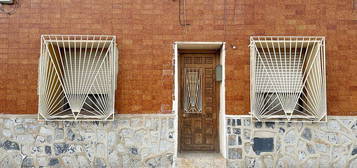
(219,73)
(6,1)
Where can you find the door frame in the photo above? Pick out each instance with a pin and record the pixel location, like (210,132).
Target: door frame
(221,86)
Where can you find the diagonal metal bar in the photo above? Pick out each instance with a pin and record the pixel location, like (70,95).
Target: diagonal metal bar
(72,67)
(293,69)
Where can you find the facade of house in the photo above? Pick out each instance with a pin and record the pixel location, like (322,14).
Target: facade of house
(178,76)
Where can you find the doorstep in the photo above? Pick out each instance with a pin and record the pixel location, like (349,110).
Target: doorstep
(200,160)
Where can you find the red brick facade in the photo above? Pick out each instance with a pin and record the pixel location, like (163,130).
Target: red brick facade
(145,33)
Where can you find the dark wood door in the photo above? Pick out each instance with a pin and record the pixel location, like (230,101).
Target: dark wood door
(198,114)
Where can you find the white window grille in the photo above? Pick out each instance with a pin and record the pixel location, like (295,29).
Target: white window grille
(77,77)
(288,80)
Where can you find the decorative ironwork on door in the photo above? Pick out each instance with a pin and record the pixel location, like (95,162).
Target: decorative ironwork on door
(193,90)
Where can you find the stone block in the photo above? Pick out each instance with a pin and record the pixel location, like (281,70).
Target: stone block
(53,162)
(307,134)
(10,145)
(232,140)
(61,148)
(27,163)
(234,153)
(263,145)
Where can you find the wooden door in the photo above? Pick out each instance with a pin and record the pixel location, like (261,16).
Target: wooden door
(198,113)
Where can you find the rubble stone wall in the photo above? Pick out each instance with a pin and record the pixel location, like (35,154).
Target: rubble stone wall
(292,144)
(129,141)
(149,141)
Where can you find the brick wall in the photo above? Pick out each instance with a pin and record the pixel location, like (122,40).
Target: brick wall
(146,30)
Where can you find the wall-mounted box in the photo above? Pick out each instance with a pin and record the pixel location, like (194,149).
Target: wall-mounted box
(219,73)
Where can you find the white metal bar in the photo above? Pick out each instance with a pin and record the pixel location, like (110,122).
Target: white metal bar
(294,72)
(71,71)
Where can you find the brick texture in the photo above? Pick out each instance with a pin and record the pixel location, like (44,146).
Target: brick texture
(146,31)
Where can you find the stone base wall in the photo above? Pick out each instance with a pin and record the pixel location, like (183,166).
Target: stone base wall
(129,141)
(149,141)
(284,144)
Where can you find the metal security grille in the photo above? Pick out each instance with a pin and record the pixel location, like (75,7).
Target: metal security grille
(77,77)
(288,80)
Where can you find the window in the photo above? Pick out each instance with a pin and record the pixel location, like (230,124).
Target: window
(288,80)
(77,77)
(193,90)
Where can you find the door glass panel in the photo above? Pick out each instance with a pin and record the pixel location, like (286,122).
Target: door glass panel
(193,90)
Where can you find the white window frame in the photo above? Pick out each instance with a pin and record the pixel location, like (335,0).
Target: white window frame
(288,78)
(222,87)
(77,77)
